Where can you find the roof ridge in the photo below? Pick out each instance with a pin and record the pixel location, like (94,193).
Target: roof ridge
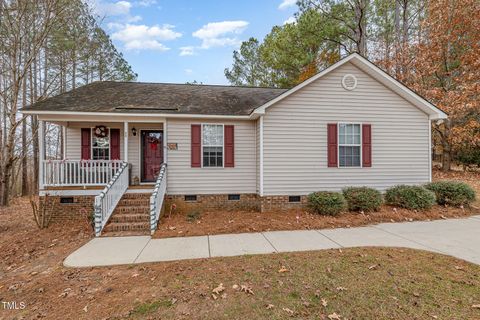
(189,84)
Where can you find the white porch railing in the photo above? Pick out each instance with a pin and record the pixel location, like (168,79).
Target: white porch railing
(57,173)
(157,197)
(108,199)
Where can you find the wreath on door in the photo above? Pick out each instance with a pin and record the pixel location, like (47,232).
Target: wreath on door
(153,142)
(100,131)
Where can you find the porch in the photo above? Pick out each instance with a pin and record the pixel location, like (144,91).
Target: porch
(93,151)
(105,161)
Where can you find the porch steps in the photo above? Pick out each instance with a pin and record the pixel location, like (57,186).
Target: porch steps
(130,217)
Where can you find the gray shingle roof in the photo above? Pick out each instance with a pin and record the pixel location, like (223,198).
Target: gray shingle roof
(138,97)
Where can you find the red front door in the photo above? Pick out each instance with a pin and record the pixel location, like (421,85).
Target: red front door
(152,154)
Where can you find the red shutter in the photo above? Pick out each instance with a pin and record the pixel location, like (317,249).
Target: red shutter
(332,144)
(367,145)
(196,146)
(229,144)
(115,144)
(86,132)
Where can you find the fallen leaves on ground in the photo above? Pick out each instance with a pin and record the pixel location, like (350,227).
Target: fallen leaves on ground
(288,311)
(219,289)
(324,302)
(282,269)
(247,289)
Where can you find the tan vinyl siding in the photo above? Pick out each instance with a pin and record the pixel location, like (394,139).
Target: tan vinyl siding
(183,179)
(257,154)
(295,133)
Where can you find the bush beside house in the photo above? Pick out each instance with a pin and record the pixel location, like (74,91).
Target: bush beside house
(410,197)
(363,199)
(327,203)
(452,192)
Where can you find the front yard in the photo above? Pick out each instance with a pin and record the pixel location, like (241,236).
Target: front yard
(194,223)
(362,283)
(373,283)
(357,283)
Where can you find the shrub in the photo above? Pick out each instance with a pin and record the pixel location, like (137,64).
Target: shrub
(452,192)
(469,156)
(362,199)
(327,203)
(410,197)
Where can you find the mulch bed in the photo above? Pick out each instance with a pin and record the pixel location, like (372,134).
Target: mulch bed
(220,222)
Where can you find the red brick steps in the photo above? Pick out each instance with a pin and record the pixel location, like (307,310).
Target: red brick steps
(130,217)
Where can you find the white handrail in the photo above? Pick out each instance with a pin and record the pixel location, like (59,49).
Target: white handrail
(156,199)
(57,173)
(108,199)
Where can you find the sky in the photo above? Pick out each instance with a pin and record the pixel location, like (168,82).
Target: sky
(180,41)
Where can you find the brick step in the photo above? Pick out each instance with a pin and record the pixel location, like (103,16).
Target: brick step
(131,210)
(128,217)
(124,233)
(127,226)
(136,196)
(134,202)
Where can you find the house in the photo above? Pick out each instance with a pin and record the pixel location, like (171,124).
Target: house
(129,146)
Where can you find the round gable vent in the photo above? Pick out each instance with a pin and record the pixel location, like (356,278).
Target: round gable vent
(349,82)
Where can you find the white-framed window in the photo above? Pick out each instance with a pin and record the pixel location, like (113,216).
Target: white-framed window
(212,145)
(100,146)
(349,145)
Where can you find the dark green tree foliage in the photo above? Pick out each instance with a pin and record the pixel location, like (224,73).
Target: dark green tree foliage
(296,50)
(248,68)
(324,31)
(288,55)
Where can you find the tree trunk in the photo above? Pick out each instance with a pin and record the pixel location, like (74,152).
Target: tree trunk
(397,38)
(361,26)
(34,125)
(24,143)
(447,149)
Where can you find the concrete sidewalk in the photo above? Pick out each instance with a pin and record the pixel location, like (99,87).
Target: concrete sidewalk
(456,237)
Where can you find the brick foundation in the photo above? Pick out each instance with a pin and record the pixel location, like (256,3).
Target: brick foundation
(81,208)
(271,203)
(248,202)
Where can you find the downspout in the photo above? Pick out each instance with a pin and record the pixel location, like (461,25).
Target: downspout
(429,150)
(261,156)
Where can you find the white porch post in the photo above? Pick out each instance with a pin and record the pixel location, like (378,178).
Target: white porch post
(41,156)
(64,142)
(125,141)
(165,148)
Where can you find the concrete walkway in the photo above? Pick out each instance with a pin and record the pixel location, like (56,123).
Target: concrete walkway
(456,237)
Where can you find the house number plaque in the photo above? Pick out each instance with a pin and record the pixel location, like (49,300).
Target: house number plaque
(172,146)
